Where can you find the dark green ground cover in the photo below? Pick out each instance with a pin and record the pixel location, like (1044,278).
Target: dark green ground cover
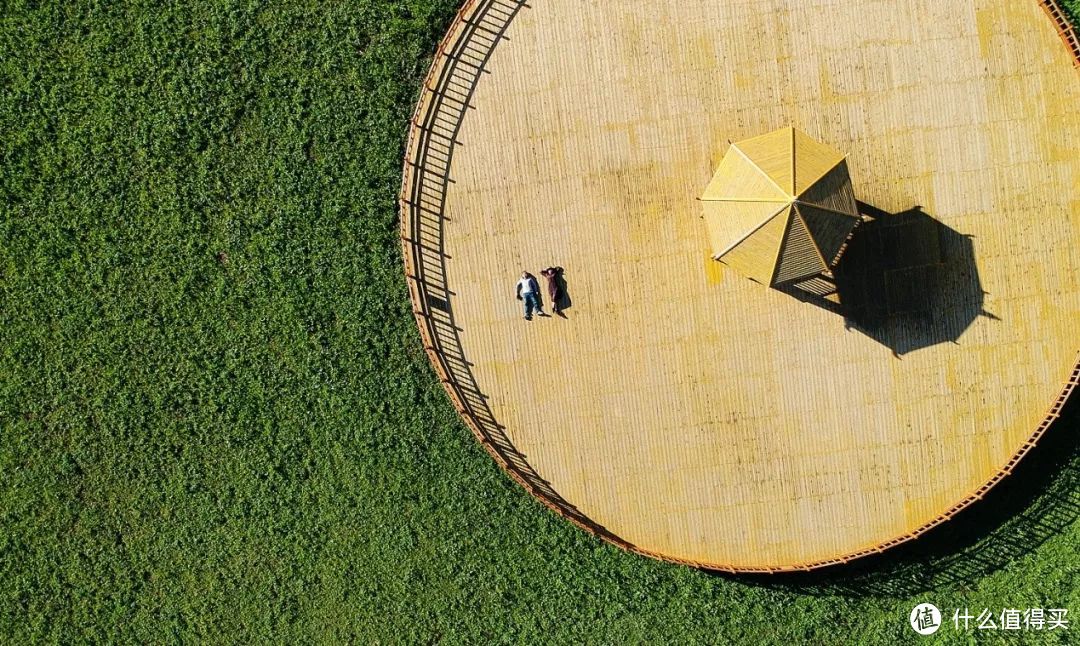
(216,418)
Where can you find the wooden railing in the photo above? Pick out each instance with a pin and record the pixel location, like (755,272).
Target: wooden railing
(1066,29)
(459,64)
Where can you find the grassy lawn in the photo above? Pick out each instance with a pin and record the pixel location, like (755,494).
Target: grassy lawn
(216,419)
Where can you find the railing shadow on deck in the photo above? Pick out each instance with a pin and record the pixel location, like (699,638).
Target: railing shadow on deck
(1039,501)
(460,63)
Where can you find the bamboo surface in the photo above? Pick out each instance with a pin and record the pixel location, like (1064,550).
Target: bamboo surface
(683,411)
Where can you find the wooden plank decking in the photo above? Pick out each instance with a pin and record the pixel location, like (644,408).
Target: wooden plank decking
(680,410)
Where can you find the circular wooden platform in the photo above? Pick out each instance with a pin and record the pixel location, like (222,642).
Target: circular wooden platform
(679,409)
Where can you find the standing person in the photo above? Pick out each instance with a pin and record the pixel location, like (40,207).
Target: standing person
(528,290)
(554,295)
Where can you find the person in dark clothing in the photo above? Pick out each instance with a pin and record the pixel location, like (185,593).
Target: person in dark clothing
(551,274)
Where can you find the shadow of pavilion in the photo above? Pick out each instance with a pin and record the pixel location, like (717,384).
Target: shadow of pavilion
(906,280)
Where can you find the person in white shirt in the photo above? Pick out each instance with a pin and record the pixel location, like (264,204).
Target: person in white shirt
(528,290)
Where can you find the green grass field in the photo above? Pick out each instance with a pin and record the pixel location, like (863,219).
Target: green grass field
(216,419)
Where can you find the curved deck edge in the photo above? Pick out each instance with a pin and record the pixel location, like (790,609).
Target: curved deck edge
(459,61)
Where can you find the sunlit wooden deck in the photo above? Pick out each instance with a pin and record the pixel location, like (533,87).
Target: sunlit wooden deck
(687,413)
